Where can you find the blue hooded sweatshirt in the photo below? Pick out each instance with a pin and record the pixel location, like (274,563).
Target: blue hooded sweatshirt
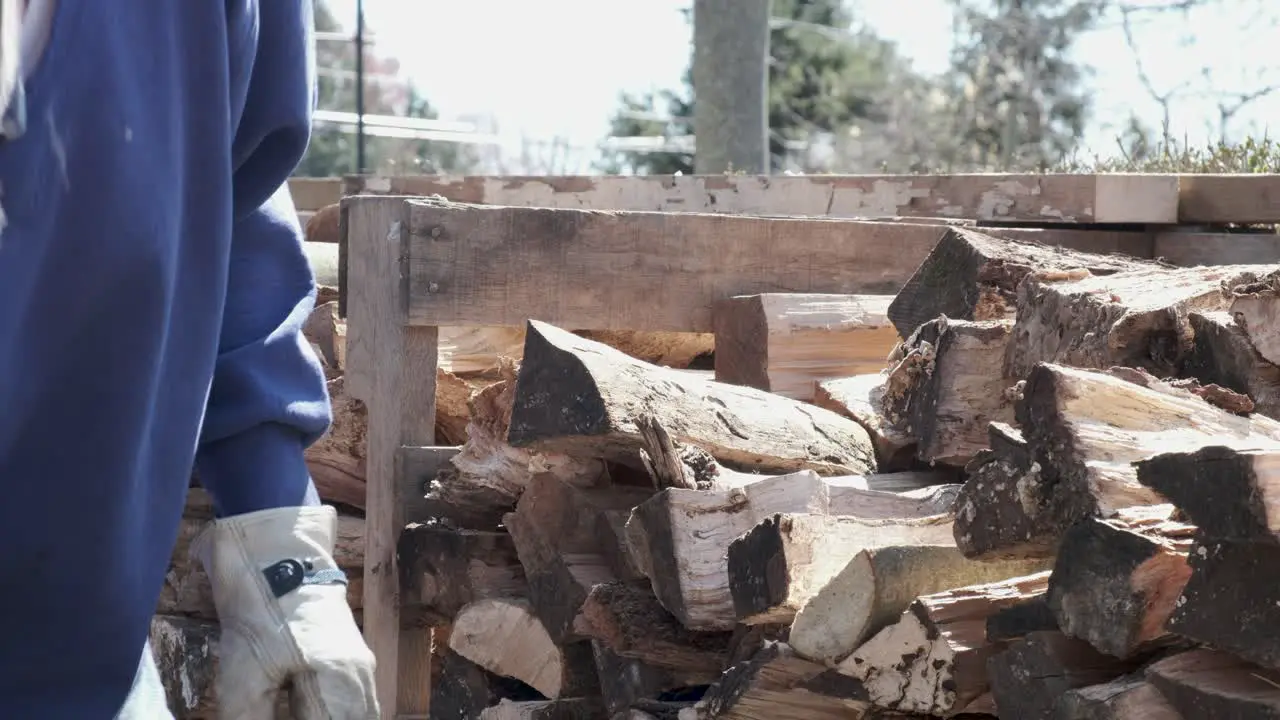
(152,289)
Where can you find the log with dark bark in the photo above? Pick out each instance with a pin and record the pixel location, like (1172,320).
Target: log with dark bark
(628,620)
(778,684)
(1127,698)
(562,535)
(1206,683)
(1227,493)
(945,386)
(488,475)
(859,398)
(786,560)
(1031,614)
(973,276)
(1135,319)
(1232,601)
(443,569)
(583,398)
(932,660)
(462,690)
(1030,677)
(785,342)
(876,585)
(679,537)
(504,637)
(1116,580)
(186,655)
(1223,355)
(591,708)
(1073,417)
(1002,510)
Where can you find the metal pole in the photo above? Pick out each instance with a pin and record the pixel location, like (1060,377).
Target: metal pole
(359,86)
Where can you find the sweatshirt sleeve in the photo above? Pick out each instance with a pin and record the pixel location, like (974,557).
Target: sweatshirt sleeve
(268,400)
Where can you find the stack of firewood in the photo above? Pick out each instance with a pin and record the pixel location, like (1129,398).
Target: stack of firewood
(1050,502)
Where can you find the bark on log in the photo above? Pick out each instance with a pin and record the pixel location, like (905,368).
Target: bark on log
(1223,355)
(1072,418)
(1127,698)
(933,660)
(786,342)
(680,537)
(1002,509)
(946,387)
(877,585)
(626,681)
(778,684)
(562,535)
(1232,601)
(859,398)
(186,654)
(1228,494)
(462,690)
(1029,678)
(583,398)
(1116,580)
(1211,684)
(630,622)
(784,561)
(489,475)
(503,636)
(444,569)
(973,276)
(1133,319)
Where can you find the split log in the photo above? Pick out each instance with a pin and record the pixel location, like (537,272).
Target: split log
(583,398)
(462,690)
(680,537)
(1231,601)
(1223,355)
(625,681)
(668,349)
(444,569)
(327,332)
(1211,684)
(1256,307)
(1228,494)
(858,398)
(562,535)
(337,460)
(1072,418)
(1029,678)
(503,636)
(1127,698)
(1116,580)
(453,406)
(945,386)
(488,474)
(973,276)
(786,342)
(478,350)
(778,684)
(627,619)
(786,560)
(186,655)
(877,585)
(932,661)
(1134,319)
(569,709)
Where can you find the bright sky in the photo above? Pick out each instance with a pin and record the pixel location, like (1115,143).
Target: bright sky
(554,68)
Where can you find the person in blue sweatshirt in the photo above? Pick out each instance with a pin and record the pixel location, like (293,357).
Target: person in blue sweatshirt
(152,290)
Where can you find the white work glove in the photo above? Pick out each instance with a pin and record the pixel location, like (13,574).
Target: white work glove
(282,605)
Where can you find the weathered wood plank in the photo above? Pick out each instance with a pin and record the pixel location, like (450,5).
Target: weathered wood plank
(1110,198)
(1229,198)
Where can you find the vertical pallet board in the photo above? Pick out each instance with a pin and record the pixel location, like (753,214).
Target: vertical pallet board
(392,369)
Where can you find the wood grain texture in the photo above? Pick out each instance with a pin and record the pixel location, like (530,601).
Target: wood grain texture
(1229,198)
(1111,198)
